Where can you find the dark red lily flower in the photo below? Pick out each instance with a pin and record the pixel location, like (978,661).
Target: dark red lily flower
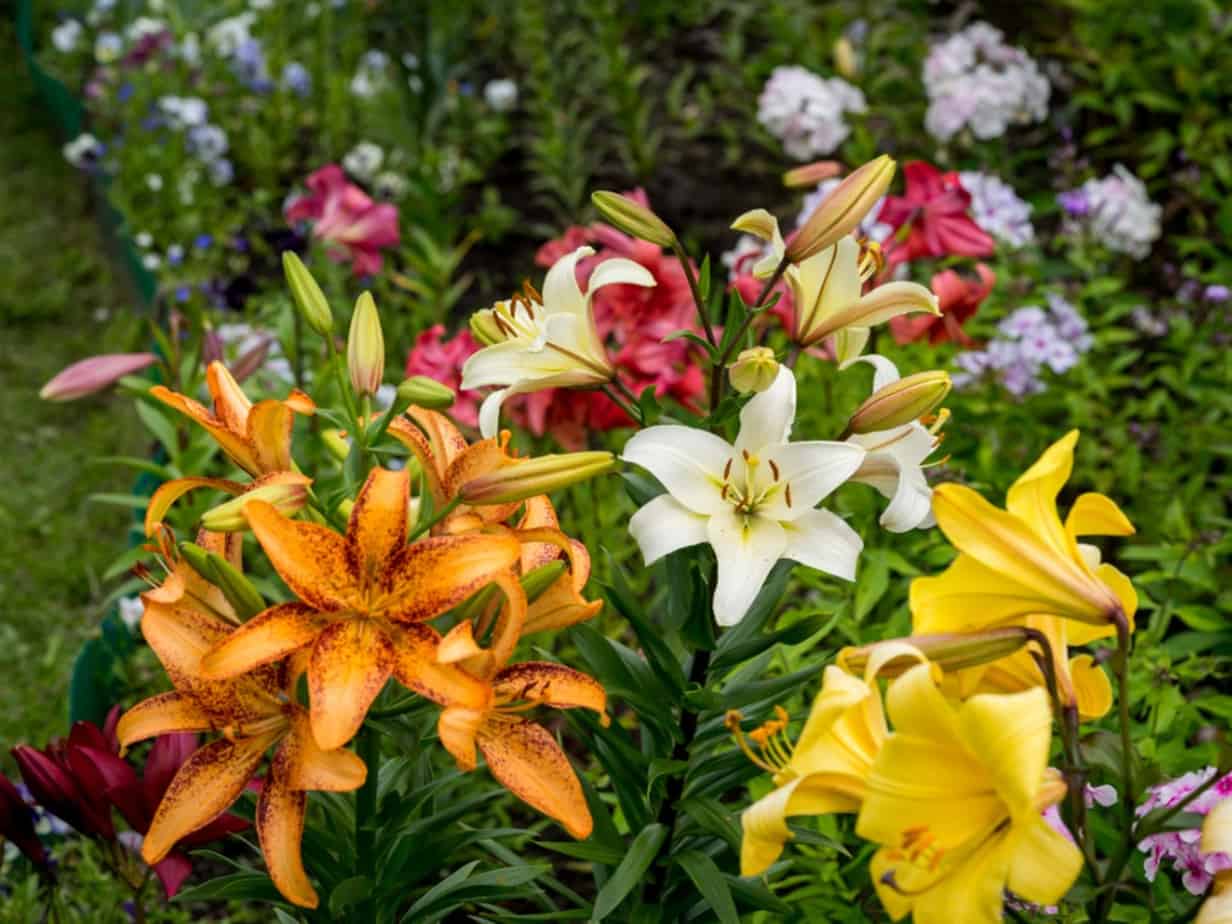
(937,212)
(959,298)
(17,824)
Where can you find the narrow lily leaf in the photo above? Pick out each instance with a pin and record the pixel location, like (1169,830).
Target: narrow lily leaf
(642,853)
(235,887)
(711,883)
(713,818)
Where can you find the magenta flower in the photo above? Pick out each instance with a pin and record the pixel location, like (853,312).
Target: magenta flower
(441,360)
(346,218)
(17,824)
(88,376)
(936,211)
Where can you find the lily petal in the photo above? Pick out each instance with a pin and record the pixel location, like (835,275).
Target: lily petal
(310,558)
(766,420)
(269,431)
(824,541)
(351,660)
(551,684)
(1010,733)
(813,470)
(1096,515)
(1033,497)
(280,828)
(171,491)
(378,524)
(764,823)
(161,715)
(618,271)
(747,547)
(665,525)
(561,293)
(1044,863)
(436,574)
(416,667)
(236,446)
(268,636)
(689,462)
(307,766)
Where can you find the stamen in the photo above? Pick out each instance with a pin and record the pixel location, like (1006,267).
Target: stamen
(531,292)
(727,469)
(787,494)
(723,493)
(774,469)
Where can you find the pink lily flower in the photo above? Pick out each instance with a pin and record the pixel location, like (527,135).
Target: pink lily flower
(346,217)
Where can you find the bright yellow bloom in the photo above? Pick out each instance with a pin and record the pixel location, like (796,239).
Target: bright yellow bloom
(1024,566)
(1217,838)
(955,799)
(364,599)
(254,712)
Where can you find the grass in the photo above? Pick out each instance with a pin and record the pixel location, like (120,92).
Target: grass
(60,300)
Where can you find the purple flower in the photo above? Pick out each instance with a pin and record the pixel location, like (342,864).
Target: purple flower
(1075,202)
(203,241)
(1216,293)
(295,77)
(1183,848)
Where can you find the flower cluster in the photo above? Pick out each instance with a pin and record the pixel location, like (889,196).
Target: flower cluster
(1029,340)
(976,81)
(1183,849)
(997,209)
(807,113)
(1116,211)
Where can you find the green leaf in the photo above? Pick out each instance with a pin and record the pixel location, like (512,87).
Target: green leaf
(642,852)
(236,887)
(585,850)
(157,423)
(348,893)
(711,883)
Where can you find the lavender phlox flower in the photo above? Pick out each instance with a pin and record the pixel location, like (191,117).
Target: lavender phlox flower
(297,79)
(807,112)
(997,208)
(1118,212)
(1028,341)
(1183,848)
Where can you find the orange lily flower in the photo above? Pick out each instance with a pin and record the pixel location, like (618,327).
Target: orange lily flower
(363,601)
(254,712)
(257,437)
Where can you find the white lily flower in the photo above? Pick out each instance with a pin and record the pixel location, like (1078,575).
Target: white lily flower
(753,502)
(894,463)
(545,341)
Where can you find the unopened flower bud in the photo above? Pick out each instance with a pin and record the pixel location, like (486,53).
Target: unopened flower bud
(951,651)
(239,591)
(632,218)
(309,298)
(900,402)
(812,174)
(424,392)
(366,347)
(845,61)
(842,211)
(523,478)
(288,495)
(336,443)
(754,370)
(94,374)
(485,328)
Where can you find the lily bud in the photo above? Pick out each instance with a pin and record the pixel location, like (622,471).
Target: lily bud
(845,61)
(366,347)
(536,582)
(523,478)
(485,328)
(309,298)
(900,402)
(812,174)
(239,591)
(842,211)
(87,376)
(288,495)
(424,392)
(951,651)
(336,443)
(632,218)
(754,370)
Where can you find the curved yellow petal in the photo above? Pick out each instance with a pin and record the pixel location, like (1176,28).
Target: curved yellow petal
(968,595)
(458,728)
(1043,862)
(171,491)
(1033,497)
(559,606)
(433,575)
(378,526)
(844,730)
(307,766)
(1217,909)
(161,715)
(526,760)
(971,891)
(351,660)
(234,443)
(417,667)
(268,636)
(1097,515)
(280,828)
(268,429)
(310,558)
(231,405)
(764,823)
(1009,734)
(203,788)
(551,684)
(1092,689)
(1122,587)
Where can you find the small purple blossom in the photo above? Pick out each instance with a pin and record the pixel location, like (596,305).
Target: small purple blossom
(297,79)
(1075,203)
(203,241)
(1216,293)
(1183,848)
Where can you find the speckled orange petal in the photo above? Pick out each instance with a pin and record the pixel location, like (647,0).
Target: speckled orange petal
(416,667)
(539,513)
(458,644)
(559,606)
(300,403)
(180,635)
(410,436)
(268,636)
(280,828)
(480,459)
(234,444)
(231,405)
(457,728)
(511,621)
(378,525)
(351,660)
(446,441)
(205,787)
(269,431)
(310,558)
(171,491)
(161,715)
(527,761)
(550,683)
(434,575)
(309,767)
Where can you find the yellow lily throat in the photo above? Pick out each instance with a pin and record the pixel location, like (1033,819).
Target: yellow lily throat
(747,498)
(774,748)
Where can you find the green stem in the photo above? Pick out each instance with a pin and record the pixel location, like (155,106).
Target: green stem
(365,806)
(629,407)
(717,378)
(703,311)
(445,511)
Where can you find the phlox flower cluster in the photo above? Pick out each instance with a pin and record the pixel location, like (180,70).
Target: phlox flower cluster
(807,112)
(997,208)
(206,141)
(1182,848)
(976,81)
(1116,211)
(1029,341)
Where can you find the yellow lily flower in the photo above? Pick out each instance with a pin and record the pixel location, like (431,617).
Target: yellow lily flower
(955,799)
(827,769)
(254,712)
(1217,838)
(1024,566)
(364,598)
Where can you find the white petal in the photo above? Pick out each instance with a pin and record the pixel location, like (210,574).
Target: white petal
(849,343)
(766,420)
(665,525)
(689,463)
(561,294)
(618,270)
(579,337)
(812,470)
(895,472)
(747,548)
(489,413)
(912,503)
(884,370)
(823,540)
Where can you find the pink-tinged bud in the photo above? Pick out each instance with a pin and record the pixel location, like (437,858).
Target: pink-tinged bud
(211,348)
(842,211)
(286,491)
(523,478)
(251,361)
(632,218)
(811,174)
(366,347)
(94,374)
(951,651)
(754,370)
(900,402)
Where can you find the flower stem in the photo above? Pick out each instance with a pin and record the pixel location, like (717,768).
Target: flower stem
(436,518)
(716,371)
(629,407)
(703,311)
(365,806)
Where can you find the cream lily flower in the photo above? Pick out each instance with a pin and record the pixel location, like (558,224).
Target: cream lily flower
(544,341)
(827,286)
(752,502)
(895,461)
(955,799)
(1217,838)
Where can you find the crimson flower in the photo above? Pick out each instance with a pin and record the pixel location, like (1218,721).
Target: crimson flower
(935,208)
(345,217)
(958,297)
(17,824)
(441,360)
